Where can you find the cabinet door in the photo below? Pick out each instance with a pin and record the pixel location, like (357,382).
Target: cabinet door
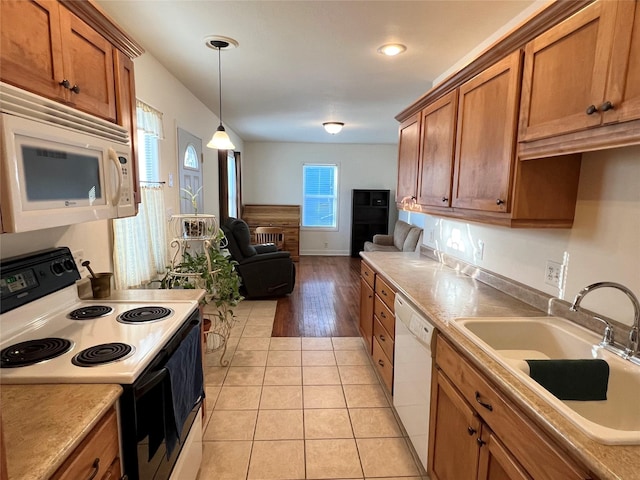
(453,433)
(486,137)
(408,153)
(496,462)
(623,86)
(366,312)
(31,46)
(126,110)
(438,147)
(88,65)
(565,74)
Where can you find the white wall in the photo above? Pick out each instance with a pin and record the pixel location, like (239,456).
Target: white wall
(272,174)
(160,89)
(603,245)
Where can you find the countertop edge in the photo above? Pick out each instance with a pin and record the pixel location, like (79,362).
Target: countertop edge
(568,437)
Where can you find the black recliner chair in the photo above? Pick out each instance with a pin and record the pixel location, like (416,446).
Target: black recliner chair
(265,271)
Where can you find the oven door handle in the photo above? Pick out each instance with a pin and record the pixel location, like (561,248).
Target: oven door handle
(149,383)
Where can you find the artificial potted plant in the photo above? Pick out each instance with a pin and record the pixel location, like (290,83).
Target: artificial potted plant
(211,269)
(192,226)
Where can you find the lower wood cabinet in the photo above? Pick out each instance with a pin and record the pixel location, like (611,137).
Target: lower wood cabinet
(98,454)
(377,321)
(366,313)
(477,433)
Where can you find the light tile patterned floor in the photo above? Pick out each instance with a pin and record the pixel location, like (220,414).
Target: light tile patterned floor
(297,408)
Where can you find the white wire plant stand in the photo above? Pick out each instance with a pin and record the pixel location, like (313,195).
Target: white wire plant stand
(193,238)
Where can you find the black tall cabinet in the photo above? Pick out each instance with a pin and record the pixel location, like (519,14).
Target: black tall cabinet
(369,216)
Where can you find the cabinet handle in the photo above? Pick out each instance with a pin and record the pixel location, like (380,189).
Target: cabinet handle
(381,362)
(445,199)
(591,109)
(370,296)
(96,468)
(65,83)
(488,406)
(480,442)
(471,430)
(499,201)
(75,89)
(382,337)
(606,106)
(383,292)
(383,315)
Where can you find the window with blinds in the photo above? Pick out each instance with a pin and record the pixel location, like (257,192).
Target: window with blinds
(148,162)
(320,196)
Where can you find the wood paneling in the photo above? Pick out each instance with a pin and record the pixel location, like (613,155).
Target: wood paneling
(325,301)
(285,216)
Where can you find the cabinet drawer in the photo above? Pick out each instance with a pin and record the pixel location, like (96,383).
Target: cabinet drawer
(386,293)
(368,274)
(530,446)
(383,365)
(97,451)
(385,316)
(385,339)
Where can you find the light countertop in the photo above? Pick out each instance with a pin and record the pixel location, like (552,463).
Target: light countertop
(444,294)
(43,424)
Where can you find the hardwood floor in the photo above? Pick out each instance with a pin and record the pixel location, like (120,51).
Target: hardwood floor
(325,301)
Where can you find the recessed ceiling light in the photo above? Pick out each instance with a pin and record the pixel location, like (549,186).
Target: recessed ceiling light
(391,49)
(333,127)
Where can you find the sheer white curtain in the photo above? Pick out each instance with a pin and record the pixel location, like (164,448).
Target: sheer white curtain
(149,120)
(140,242)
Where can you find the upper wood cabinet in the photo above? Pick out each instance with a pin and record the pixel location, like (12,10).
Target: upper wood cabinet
(48,50)
(581,75)
(566,73)
(88,66)
(408,153)
(31,46)
(485,138)
(435,169)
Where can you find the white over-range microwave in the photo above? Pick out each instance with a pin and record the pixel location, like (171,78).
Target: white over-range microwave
(60,166)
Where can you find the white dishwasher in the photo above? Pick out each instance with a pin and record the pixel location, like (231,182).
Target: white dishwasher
(412,373)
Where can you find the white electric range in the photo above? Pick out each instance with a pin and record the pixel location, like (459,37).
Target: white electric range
(49,335)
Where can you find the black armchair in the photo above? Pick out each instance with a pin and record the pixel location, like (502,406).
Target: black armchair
(265,272)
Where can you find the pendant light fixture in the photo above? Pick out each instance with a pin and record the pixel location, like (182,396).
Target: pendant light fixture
(220,139)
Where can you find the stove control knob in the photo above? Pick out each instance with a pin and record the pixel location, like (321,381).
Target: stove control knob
(57,268)
(69,265)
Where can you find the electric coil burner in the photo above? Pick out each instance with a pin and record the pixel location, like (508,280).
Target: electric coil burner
(101,354)
(145,314)
(90,312)
(33,351)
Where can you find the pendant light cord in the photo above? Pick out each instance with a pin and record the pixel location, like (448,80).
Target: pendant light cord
(220,85)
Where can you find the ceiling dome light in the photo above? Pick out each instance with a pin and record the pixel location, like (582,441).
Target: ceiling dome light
(391,49)
(333,127)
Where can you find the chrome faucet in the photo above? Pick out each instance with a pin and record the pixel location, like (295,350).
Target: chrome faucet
(632,345)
